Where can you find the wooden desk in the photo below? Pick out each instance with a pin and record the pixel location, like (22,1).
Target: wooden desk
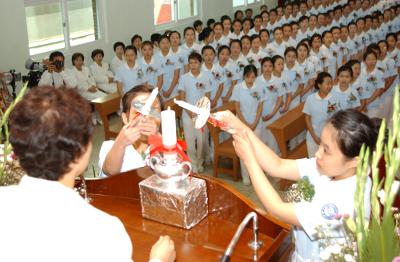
(105,106)
(287,127)
(207,241)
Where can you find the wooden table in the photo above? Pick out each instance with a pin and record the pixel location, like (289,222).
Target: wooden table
(119,196)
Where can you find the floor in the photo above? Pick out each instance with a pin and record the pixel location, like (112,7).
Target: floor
(98,138)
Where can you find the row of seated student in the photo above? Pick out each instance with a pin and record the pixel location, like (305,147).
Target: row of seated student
(339,87)
(353,65)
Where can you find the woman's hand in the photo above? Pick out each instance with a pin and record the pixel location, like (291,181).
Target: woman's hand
(148,126)
(163,250)
(232,124)
(129,133)
(243,147)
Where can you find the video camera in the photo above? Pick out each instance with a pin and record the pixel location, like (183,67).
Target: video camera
(36,70)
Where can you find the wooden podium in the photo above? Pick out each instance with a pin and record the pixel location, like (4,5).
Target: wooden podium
(119,196)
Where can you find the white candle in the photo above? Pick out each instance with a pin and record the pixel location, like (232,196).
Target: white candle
(149,102)
(168,128)
(187,106)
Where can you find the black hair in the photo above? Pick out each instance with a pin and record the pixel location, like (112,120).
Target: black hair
(276,58)
(130,47)
(369,52)
(147,43)
(236,14)
(325,33)
(354,129)
(76,56)
(290,49)
(304,45)
(163,37)
(96,52)
(320,79)
(174,32)
(218,24)
(266,59)
(249,69)
(389,35)
(155,38)
(245,37)
(263,31)
(248,20)
(352,62)
(255,36)
(205,33)
(257,17)
(277,28)
(286,25)
(315,36)
(189,28)
(248,10)
(225,17)
(210,22)
(136,37)
(335,27)
(222,48)
(207,47)
(117,44)
(197,23)
(55,54)
(50,128)
(345,68)
(195,56)
(235,41)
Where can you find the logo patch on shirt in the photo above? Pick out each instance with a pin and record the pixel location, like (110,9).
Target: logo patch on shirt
(329,211)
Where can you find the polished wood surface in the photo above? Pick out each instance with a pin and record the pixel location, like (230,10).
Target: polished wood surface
(207,241)
(105,106)
(287,127)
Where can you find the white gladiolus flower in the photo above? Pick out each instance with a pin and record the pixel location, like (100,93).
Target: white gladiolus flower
(325,255)
(348,258)
(382,196)
(335,249)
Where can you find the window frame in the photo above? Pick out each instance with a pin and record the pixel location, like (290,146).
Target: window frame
(246,4)
(175,20)
(66,26)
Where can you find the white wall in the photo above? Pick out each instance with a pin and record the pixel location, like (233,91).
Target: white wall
(121,20)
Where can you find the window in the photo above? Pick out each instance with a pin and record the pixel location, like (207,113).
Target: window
(167,11)
(237,3)
(58,24)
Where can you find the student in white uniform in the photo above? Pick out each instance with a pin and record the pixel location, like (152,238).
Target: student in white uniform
(43,213)
(153,67)
(257,22)
(282,83)
(346,45)
(264,38)
(206,37)
(246,47)
(229,71)
(219,38)
(237,58)
(272,102)
(277,46)
(391,76)
(287,32)
(227,25)
(56,75)
(348,97)
(198,27)
(171,68)
(293,74)
(246,26)
(355,82)
(318,108)
(130,149)
(190,45)
(176,49)
(136,41)
(131,73)
(256,54)
(85,82)
(303,31)
(307,70)
(118,59)
(332,170)
(248,98)
(329,55)
(215,76)
(101,73)
(373,83)
(192,86)
(236,30)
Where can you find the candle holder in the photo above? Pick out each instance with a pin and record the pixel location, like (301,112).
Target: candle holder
(171,196)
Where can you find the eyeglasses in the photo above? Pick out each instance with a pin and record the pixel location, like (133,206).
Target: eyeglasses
(154,112)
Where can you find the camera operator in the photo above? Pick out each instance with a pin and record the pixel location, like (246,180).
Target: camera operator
(56,75)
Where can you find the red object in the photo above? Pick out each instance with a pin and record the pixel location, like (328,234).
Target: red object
(156,146)
(217,123)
